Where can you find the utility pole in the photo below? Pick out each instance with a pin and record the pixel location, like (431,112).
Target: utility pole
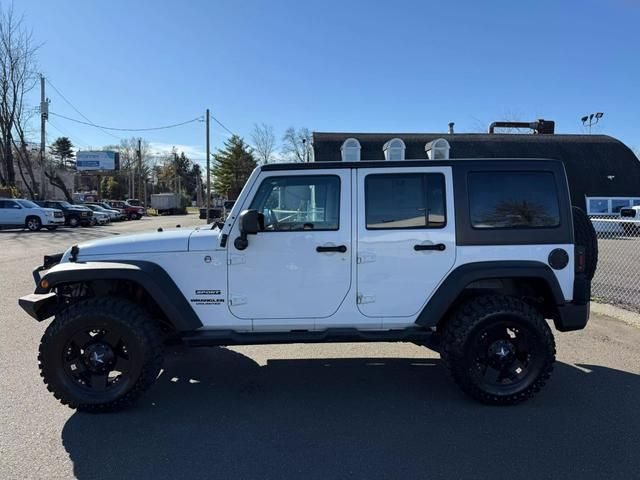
(44,114)
(140,169)
(208,202)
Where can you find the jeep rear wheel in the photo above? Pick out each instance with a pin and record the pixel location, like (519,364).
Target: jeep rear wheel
(498,349)
(100,354)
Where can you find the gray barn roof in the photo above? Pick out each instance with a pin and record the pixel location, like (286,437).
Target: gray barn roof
(589,159)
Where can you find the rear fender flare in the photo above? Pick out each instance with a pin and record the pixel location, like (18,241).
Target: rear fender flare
(455,283)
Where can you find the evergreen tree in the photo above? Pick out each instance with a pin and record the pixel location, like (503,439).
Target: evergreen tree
(233,165)
(62,148)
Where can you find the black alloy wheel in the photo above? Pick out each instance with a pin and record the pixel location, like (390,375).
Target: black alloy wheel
(499,349)
(100,354)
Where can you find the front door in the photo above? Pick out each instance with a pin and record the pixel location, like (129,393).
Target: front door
(299,266)
(406,238)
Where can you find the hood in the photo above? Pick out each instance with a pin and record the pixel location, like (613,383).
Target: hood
(50,209)
(154,242)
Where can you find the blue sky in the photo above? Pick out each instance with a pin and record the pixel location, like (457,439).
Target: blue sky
(336,65)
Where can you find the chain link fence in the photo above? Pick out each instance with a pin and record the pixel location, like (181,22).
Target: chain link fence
(617,278)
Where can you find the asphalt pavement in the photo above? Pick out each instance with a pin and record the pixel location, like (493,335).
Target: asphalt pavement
(312,411)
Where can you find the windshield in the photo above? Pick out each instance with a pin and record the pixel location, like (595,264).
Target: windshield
(28,204)
(64,204)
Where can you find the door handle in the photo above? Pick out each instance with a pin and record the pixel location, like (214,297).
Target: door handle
(438,246)
(339,248)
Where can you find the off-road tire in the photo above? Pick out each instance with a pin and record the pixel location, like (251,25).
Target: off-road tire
(104,311)
(469,321)
(585,236)
(33,224)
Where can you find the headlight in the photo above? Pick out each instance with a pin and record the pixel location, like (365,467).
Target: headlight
(50,214)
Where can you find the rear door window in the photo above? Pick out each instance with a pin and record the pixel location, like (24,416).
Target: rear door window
(513,200)
(405,200)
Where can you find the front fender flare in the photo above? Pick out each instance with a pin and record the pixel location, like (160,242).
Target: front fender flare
(153,278)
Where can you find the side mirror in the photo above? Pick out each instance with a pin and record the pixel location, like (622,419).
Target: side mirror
(251,222)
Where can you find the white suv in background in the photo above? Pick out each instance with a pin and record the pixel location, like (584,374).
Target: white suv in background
(26,214)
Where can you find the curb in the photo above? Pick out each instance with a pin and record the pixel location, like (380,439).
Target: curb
(626,316)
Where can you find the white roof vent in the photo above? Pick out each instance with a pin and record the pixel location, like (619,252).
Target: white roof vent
(350,150)
(394,149)
(437,149)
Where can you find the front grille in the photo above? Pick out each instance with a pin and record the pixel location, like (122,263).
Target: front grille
(58,214)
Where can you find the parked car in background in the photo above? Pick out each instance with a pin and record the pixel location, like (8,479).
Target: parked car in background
(26,214)
(74,215)
(99,217)
(108,207)
(134,202)
(114,214)
(630,220)
(129,211)
(215,213)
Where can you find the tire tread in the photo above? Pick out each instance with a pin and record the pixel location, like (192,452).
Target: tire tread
(459,328)
(141,326)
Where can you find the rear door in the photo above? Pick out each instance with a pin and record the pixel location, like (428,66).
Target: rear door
(299,266)
(12,213)
(405,238)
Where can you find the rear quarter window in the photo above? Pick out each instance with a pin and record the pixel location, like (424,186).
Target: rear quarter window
(513,200)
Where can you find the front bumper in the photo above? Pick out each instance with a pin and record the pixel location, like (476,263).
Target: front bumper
(55,221)
(39,305)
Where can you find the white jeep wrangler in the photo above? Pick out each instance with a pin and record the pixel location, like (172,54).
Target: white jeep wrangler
(466,257)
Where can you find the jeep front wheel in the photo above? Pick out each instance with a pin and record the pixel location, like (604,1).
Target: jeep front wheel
(498,349)
(100,354)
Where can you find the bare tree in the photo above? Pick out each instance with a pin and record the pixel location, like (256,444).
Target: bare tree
(296,145)
(264,142)
(17,78)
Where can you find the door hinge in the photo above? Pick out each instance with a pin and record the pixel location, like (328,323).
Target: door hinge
(360,299)
(235,259)
(365,257)
(236,300)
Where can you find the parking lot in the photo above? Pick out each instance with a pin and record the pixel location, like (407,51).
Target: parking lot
(312,411)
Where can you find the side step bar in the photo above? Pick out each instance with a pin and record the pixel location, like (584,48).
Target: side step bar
(212,338)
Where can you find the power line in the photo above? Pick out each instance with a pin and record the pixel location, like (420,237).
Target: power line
(78,111)
(221,124)
(65,133)
(164,127)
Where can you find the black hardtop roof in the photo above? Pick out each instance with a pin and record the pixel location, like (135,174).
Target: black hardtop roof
(498,162)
